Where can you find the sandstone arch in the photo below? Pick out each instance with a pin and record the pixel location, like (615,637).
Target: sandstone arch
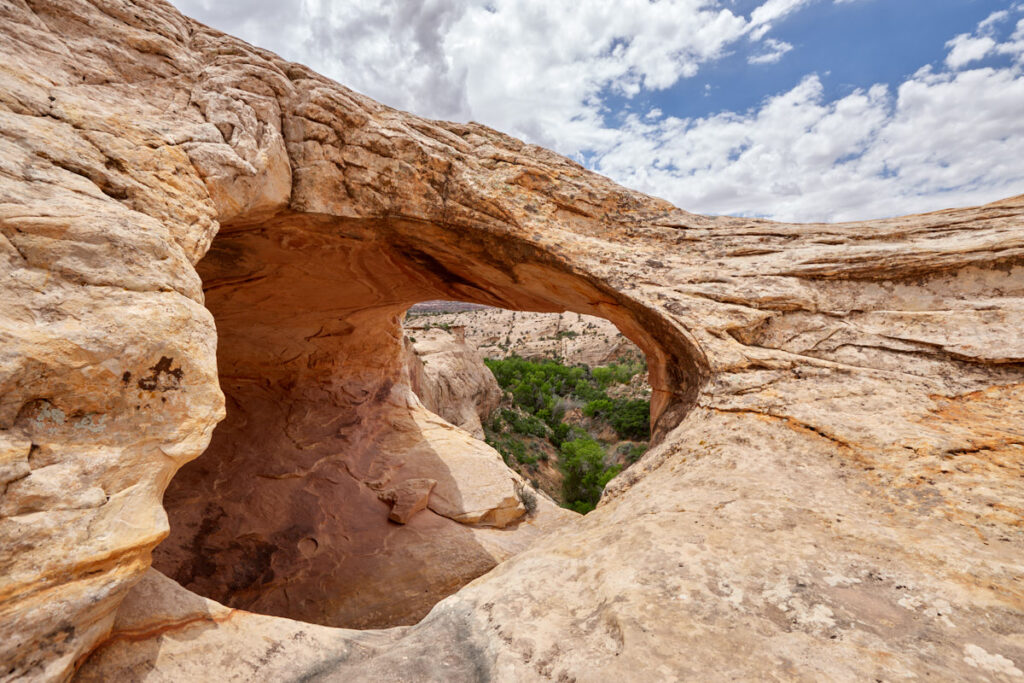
(856,434)
(283,514)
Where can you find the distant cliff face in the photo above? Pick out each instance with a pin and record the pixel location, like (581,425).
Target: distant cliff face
(197,233)
(572,338)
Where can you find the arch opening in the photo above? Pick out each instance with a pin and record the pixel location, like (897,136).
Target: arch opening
(563,397)
(287,512)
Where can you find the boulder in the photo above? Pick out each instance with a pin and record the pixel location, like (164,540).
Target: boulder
(408,498)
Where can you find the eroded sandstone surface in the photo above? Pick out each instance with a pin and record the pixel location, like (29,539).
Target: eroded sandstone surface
(835,489)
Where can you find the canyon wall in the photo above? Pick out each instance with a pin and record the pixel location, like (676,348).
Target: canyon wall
(573,338)
(834,488)
(449,376)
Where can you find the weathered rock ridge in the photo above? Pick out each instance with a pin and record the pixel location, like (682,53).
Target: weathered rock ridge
(835,490)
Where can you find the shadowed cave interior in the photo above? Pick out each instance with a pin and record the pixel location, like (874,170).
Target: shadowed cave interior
(286,513)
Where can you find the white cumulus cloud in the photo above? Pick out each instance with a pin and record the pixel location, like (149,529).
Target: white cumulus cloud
(966,48)
(941,139)
(774,49)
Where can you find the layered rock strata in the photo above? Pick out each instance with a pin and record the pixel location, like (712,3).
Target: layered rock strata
(835,490)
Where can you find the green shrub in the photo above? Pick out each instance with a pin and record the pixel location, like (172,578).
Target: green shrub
(559,434)
(528,498)
(527,425)
(580,506)
(632,452)
(517,449)
(601,407)
(615,374)
(531,377)
(497,445)
(630,418)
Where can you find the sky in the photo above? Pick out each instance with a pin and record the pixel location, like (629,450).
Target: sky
(797,110)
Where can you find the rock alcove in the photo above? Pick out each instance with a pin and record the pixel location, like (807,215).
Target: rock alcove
(287,511)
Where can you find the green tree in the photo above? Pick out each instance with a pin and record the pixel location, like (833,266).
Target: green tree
(631,418)
(541,393)
(584,472)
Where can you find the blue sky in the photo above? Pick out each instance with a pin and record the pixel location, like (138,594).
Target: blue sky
(790,109)
(850,45)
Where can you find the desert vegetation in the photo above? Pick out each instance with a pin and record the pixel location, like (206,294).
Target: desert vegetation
(585,422)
